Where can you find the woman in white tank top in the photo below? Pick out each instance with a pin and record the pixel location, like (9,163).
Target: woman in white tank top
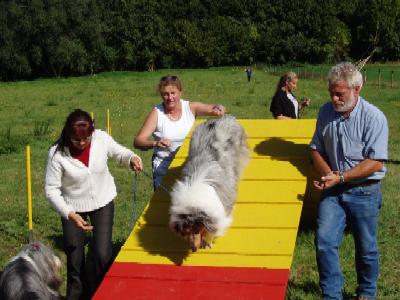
(167,125)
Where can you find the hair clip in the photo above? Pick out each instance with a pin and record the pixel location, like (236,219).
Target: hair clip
(35,246)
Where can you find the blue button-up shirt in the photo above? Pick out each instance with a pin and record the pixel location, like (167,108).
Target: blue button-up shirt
(345,142)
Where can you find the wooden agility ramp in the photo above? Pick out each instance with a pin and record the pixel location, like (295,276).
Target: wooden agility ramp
(252,260)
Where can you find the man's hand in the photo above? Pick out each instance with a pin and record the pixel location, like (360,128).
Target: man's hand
(327,181)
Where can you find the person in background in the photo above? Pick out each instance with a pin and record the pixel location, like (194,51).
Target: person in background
(249,72)
(348,149)
(79,186)
(284,104)
(168,123)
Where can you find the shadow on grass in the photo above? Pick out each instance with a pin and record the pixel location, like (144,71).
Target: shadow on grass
(393,162)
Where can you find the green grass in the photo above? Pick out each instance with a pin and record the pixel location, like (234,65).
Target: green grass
(34,112)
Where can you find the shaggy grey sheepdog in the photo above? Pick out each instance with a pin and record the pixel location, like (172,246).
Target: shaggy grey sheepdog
(202,200)
(32,274)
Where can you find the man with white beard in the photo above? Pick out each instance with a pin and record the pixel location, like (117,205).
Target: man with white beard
(349,148)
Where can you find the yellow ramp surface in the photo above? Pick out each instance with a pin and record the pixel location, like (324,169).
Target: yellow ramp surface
(267,210)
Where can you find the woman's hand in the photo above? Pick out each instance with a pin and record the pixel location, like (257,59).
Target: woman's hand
(305,102)
(79,221)
(218,110)
(162,143)
(136,164)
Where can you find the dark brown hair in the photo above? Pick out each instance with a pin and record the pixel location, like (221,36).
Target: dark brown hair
(71,128)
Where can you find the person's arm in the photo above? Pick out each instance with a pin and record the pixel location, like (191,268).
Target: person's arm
(282,117)
(143,140)
(363,169)
(53,185)
(203,109)
(119,153)
(322,168)
(320,163)
(305,102)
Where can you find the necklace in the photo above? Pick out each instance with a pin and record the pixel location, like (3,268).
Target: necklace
(172,118)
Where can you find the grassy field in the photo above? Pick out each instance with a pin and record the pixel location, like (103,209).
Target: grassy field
(34,112)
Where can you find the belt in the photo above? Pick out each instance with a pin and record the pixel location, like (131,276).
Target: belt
(367,182)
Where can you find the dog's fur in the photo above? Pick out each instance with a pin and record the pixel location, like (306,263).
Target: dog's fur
(202,200)
(32,274)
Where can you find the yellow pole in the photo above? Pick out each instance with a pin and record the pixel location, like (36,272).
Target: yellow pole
(108,122)
(29,190)
(92,115)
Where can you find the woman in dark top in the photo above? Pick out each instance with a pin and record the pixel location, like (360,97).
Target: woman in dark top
(284,104)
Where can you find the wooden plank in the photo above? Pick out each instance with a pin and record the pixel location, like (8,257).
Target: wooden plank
(231,274)
(269,147)
(268,215)
(260,169)
(257,191)
(274,128)
(271,191)
(203,259)
(157,239)
(137,281)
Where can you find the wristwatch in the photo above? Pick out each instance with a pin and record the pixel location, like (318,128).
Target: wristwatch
(341,178)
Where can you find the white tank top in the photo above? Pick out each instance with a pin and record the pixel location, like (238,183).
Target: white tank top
(175,131)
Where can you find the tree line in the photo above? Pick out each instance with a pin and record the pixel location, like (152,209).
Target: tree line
(44,38)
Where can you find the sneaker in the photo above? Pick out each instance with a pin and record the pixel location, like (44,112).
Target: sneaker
(364,298)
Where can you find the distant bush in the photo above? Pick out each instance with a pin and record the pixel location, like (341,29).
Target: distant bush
(64,38)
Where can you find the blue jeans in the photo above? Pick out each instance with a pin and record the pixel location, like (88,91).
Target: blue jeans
(358,208)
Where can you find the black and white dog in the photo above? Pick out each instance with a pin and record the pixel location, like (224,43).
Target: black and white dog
(202,200)
(32,274)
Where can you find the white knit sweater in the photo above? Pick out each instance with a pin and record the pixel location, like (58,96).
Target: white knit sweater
(71,186)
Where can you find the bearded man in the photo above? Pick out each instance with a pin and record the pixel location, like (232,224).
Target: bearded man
(349,148)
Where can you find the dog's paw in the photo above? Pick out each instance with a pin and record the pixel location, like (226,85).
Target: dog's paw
(205,244)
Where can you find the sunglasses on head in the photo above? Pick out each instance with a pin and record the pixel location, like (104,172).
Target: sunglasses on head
(169,78)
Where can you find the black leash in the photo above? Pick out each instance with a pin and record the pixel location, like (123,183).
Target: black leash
(133,217)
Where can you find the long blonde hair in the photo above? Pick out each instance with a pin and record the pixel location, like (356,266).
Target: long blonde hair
(288,76)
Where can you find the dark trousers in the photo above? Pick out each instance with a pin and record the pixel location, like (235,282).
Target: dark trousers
(79,284)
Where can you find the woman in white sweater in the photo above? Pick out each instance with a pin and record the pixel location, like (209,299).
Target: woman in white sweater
(79,186)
